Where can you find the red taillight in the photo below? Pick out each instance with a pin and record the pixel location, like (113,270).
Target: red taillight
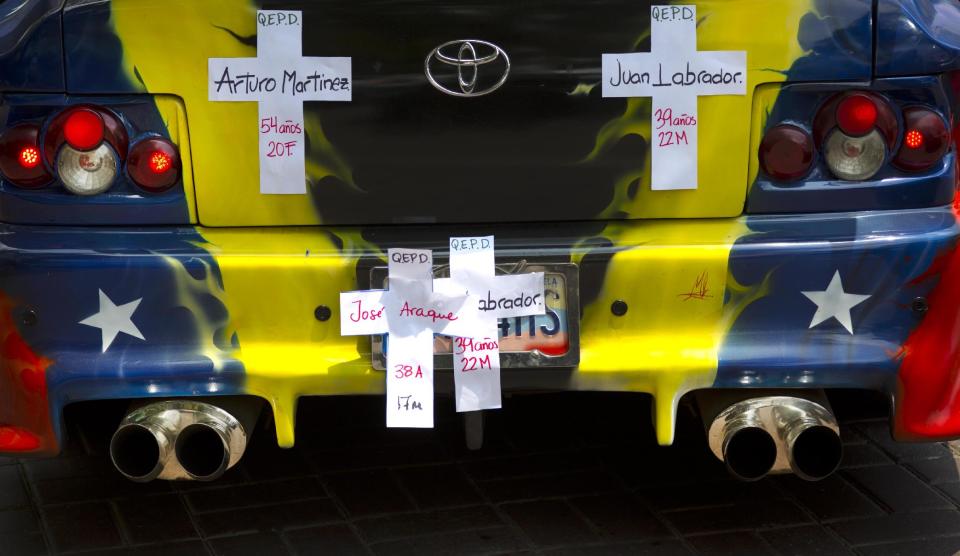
(857,115)
(86,146)
(83,129)
(20,157)
(786,153)
(29,157)
(925,142)
(913,139)
(159,162)
(154,164)
(855,131)
(850,112)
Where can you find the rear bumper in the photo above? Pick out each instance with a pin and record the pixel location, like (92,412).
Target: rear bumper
(711,304)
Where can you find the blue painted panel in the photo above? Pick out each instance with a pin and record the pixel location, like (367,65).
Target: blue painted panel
(917,37)
(31,47)
(59,272)
(880,254)
(838,38)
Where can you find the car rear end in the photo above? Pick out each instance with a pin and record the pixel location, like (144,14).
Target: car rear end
(830,181)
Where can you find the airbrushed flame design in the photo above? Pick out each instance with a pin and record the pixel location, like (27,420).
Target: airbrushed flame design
(322,158)
(740,296)
(212,321)
(288,353)
(682,336)
(634,121)
(724,121)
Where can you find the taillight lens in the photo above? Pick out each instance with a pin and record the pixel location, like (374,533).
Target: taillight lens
(913,139)
(87,172)
(854,158)
(154,164)
(29,157)
(786,153)
(86,144)
(855,131)
(83,129)
(925,140)
(857,114)
(20,160)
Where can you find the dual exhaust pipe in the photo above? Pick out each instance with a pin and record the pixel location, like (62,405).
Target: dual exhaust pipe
(777,434)
(197,440)
(183,439)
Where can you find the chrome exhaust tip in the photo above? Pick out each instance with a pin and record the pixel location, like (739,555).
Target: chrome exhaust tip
(739,439)
(202,452)
(816,453)
(183,439)
(811,439)
(138,452)
(213,442)
(750,453)
(777,434)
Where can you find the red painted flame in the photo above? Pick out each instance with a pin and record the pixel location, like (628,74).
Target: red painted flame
(15,439)
(928,389)
(928,392)
(25,424)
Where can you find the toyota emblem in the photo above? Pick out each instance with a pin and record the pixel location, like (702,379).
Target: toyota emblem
(465,61)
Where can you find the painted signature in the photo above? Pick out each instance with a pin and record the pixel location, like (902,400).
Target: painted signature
(699,289)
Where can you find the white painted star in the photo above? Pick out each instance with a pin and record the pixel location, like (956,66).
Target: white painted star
(113,319)
(834,303)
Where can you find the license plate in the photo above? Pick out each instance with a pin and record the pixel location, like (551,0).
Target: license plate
(548,340)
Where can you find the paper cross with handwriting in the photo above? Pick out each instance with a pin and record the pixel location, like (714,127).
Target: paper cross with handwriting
(675,74)
(465,307)
(476,358)
(280,79)
(411,313)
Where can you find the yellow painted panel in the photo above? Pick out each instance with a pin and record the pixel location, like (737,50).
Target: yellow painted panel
(274,280)
(672,277)
(724,121)
(170,56)
(671,274)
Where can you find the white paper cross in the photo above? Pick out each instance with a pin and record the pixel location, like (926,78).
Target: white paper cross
(674,73)
(476,358)
(280,78)
(466,306)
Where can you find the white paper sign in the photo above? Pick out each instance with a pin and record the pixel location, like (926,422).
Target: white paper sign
(476,356)
(410,348)
(674,73)
(362,313)
(411,313)
(280,79)
(466,306)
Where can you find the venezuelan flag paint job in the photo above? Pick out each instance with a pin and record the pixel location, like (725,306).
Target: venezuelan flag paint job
(52,278)
(228,306)
(677,332)
(224,138)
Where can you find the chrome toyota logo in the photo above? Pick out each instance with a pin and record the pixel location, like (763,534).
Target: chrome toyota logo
(467,68)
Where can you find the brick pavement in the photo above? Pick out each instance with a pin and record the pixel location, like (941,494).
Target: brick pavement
(559,474)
